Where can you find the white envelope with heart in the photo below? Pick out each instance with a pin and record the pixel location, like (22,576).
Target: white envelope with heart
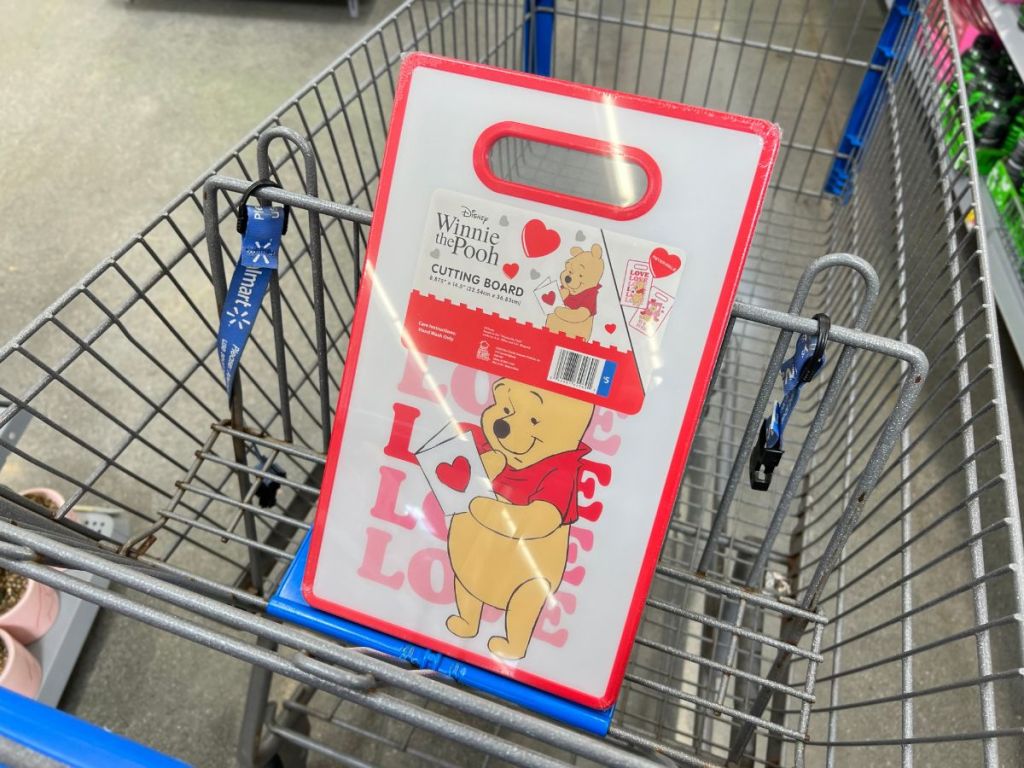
(453,469)
(548,297)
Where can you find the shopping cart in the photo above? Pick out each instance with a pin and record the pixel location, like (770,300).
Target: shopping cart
(865,610)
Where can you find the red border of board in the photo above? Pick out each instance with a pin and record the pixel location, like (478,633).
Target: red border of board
(770,135)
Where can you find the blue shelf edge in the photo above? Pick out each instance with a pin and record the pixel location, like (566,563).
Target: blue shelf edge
(288,604)
(71,741)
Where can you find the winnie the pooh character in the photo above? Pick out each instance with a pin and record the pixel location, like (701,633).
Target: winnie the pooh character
(578,284)
(510,551)
(638,294)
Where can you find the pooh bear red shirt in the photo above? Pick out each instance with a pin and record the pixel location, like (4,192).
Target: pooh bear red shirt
(584,299)
(554,480)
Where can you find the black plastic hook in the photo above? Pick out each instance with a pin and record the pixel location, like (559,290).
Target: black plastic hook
(764,460)
(242,216)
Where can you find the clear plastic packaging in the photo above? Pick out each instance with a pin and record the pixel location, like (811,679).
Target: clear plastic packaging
(549,276)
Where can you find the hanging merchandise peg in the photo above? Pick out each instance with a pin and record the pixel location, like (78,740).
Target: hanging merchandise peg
(800,369)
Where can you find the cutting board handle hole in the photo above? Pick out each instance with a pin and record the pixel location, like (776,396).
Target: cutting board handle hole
(566,170)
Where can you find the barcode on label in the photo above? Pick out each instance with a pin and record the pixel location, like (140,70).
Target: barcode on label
(580,371)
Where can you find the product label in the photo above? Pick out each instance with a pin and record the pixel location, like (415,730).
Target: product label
(555,303)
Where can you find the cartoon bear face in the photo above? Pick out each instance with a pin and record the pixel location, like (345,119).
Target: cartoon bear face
(652,311)
(527,424)
(583,269)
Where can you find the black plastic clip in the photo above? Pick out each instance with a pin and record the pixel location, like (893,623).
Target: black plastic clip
(763,461)
(242,215)
(266,489)
(813,364)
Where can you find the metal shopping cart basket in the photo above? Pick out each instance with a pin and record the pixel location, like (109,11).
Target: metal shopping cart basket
(865,610)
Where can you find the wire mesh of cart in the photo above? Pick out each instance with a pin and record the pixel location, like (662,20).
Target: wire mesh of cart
(865,609)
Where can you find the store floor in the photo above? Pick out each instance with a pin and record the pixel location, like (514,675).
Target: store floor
(111,108)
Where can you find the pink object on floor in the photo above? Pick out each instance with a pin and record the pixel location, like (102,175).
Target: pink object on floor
(47,493)
(32,616)
(53,496)
(22,673)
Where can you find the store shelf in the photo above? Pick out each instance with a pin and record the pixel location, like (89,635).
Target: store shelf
(1006,282)
(1004,19)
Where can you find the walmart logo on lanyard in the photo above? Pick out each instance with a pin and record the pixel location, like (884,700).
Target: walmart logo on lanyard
(261,227)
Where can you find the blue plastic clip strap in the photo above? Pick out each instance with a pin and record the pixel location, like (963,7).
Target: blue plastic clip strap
(261,228)
(805,364)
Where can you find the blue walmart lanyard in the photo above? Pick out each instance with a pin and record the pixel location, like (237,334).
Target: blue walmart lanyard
(805,364)
(261,227)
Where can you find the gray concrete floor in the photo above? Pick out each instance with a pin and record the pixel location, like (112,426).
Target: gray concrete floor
(110,109)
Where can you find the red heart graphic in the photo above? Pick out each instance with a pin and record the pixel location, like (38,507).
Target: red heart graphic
(538,240)
(664,263)
(454,475)
(610,327)
(511,270)
(548,298)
